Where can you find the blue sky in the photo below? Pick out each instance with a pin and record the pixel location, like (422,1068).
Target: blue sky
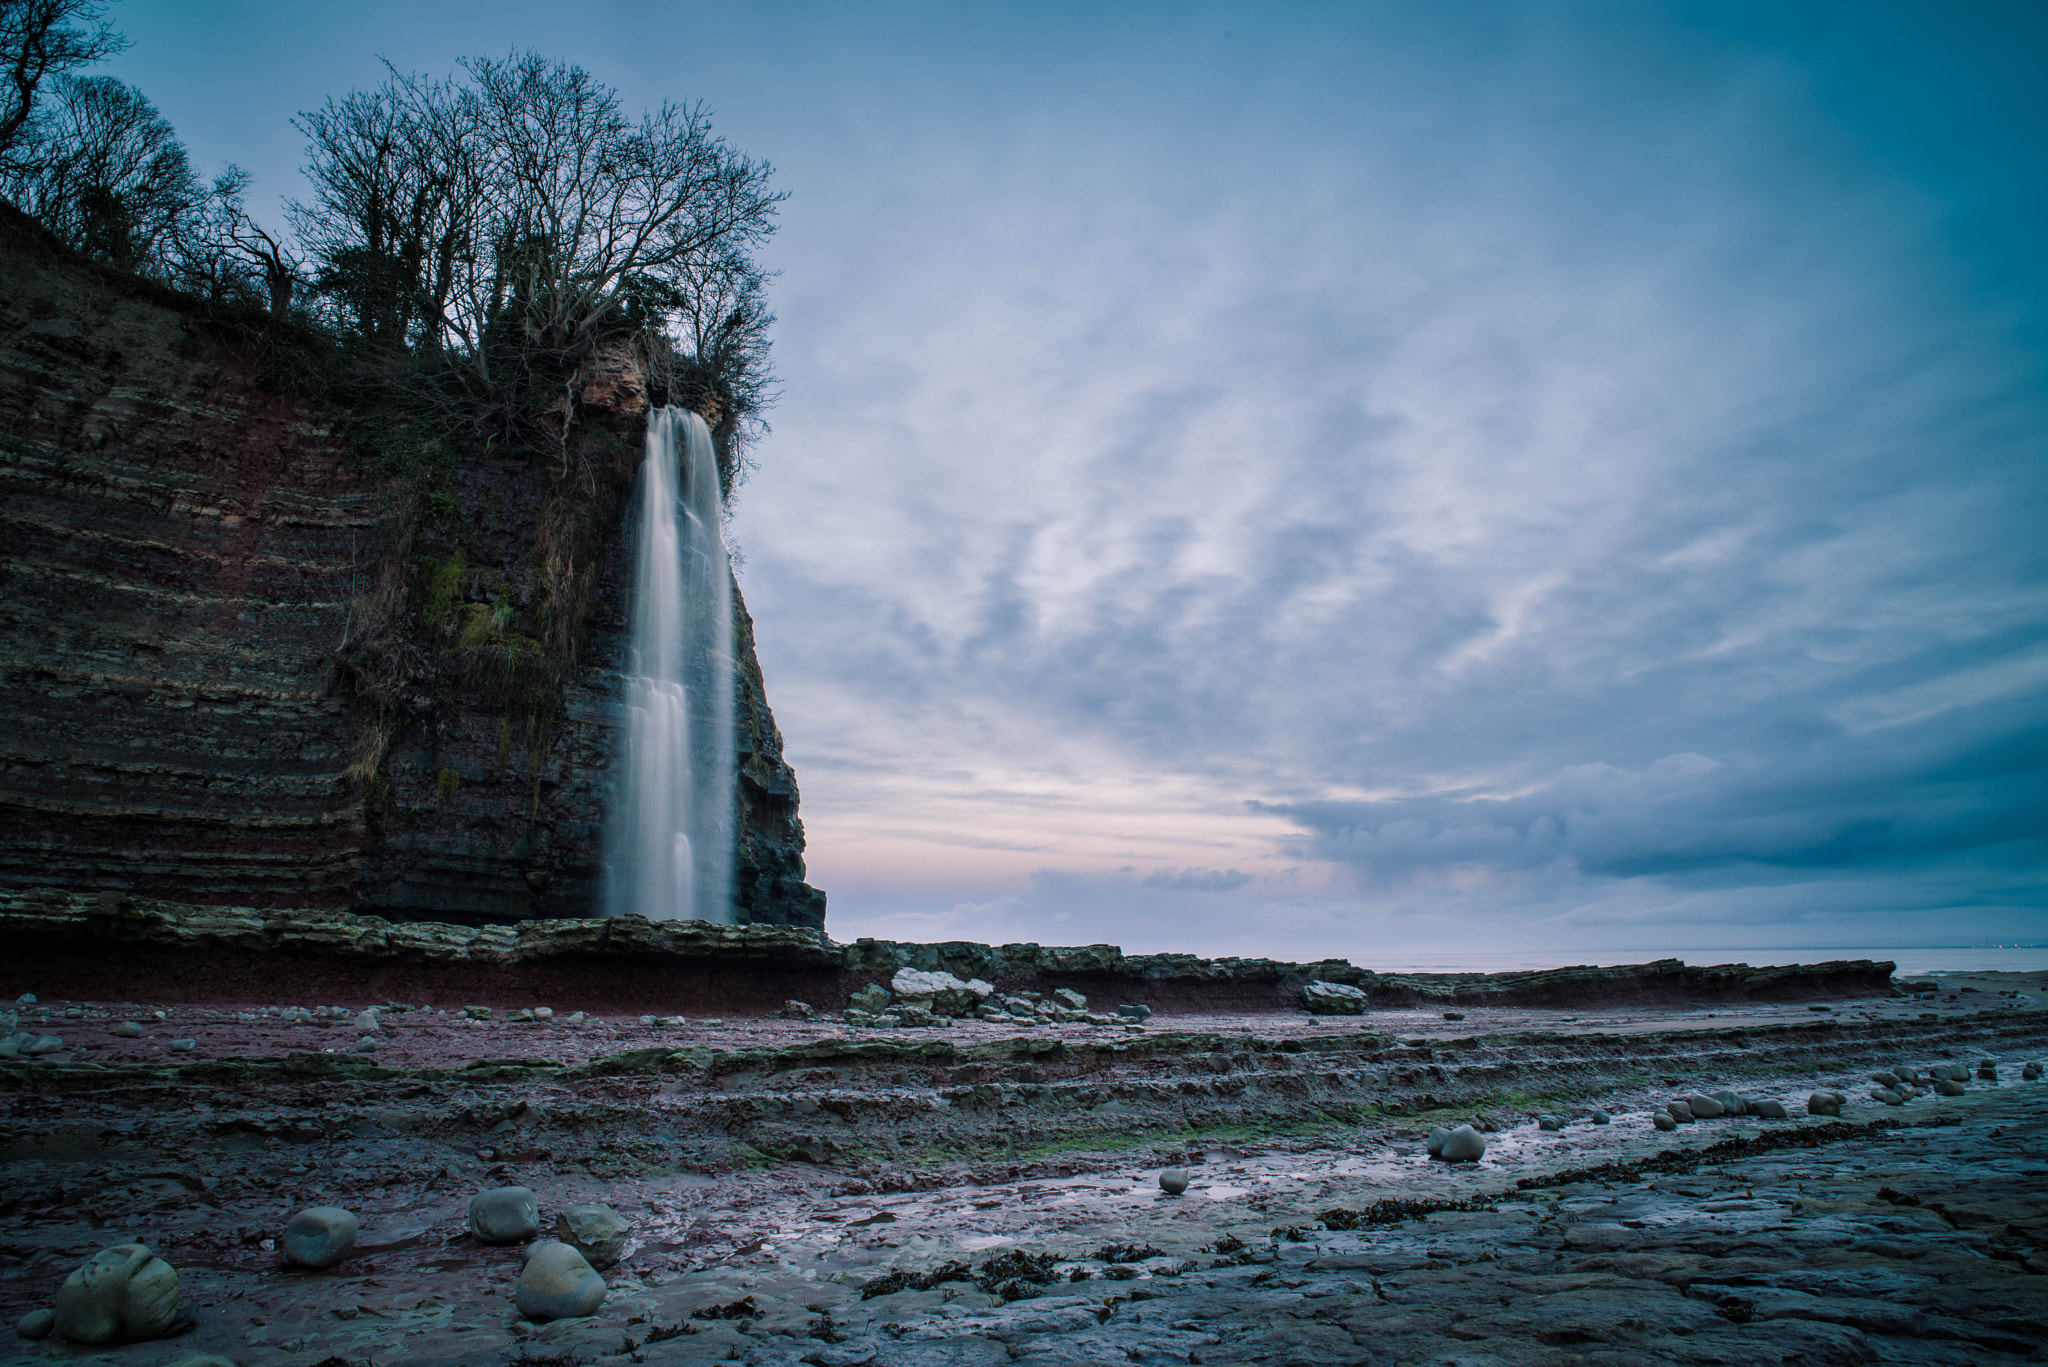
(1363,479)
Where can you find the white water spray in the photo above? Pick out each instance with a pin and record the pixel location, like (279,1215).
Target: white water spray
(670,846)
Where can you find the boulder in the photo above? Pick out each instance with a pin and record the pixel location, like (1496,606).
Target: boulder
(1136,1013)
(1887,1096)
(319,1236)
(793,1010)
(1600,1117)
(36,1324)
(1069,998)
(1950,1087)
(42,1044)
(1463,1145)
(1332,999)
(871,1000)
(1732,1103)
(1549,1122)
(1435,1143)
(366,1022)
(1769,1109)
(127,1030)
(1825,1103)
(1678,1111)
(1704,1107)
(2030,1071)
(1173,1181)
(504,1215)
(478,1013)
(184,1046)
(120,1295)
(1663,1121)
(1885,1079)
(597,1232)
(1987,1071)
(558,1283)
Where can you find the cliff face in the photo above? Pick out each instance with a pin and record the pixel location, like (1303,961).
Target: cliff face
(191,564)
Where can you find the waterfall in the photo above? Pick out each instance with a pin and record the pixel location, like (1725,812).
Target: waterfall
(671,824)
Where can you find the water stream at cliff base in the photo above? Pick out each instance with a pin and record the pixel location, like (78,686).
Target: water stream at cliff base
(671,824)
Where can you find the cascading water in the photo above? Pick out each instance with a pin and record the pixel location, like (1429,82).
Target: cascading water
(670,847)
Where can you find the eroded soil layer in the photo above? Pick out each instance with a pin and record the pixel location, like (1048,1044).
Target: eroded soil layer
(807,1193)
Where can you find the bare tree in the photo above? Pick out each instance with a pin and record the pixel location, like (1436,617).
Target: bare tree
(40,39)
(104,171)
(511,216)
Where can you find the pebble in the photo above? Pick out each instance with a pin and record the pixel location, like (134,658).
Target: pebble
(119,1295)
(1825,1103)
(596,1232)
(319,1236)
(127,1030)
(1703,1107)
(1663,1121)
(558,1283)
(1600,1117)
(504,1215)
(36,1324)
(544,1014)
(1463,1145)
(1173,1181)
(184,1046)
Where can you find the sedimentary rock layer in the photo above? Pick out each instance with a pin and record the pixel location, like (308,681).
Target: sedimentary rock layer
(66,943)
(187,555)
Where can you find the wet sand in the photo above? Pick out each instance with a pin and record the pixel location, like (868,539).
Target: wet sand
(797,1163)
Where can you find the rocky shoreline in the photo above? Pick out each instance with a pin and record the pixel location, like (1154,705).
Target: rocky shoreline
(61,942)
(805,1191)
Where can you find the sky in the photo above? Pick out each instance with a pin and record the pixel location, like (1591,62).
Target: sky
(1372,480)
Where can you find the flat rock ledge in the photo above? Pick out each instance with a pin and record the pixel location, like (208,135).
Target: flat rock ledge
(45,928)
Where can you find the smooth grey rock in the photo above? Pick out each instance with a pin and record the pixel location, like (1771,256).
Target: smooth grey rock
(1173,1181)
(120,1295)
(1887,1096)
(1678,1111)
(1825,1103)
(319,1236)
(1950,1087)
(596,1232)
(1463,1145)
(1907,1074)
(127,1030)
(1663,1121)
(1732,1103)
(1600,1117)
(1332,999)
(184,1046)
(1885,1079)
(1769,1108)
(36,1324)
(504,1215)
(2030,1071)
(1549,1122)
(1435,1143)
(367,1023)
(1136,1013)
(558,1283)
(366,1045)
(42,1044)
(544,1015)
(1704,1107)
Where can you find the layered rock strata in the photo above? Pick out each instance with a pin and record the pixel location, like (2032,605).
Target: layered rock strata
(193,562)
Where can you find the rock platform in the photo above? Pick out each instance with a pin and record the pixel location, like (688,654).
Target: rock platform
(799,1191)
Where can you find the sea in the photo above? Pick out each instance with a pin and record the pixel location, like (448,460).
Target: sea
(1910,961)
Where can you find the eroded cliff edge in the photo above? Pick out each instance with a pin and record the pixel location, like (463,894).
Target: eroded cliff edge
(190,559)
